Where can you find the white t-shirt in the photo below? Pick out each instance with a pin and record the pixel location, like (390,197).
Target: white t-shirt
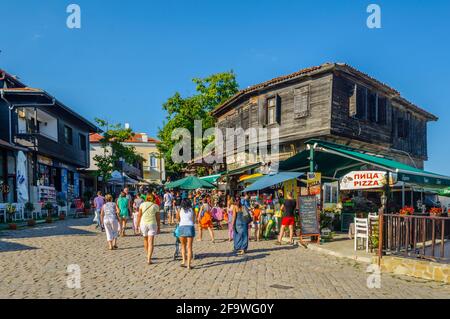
(168,200)
(186,217)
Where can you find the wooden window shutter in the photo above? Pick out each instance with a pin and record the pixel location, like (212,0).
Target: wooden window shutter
(301,101)
(278,109)
(352,101)
(262,111)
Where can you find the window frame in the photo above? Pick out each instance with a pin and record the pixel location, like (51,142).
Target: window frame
(68,139)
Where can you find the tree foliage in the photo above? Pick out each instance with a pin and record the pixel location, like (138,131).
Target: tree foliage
(183,111)
(114,135)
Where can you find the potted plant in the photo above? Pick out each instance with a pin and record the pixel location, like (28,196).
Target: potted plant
(49,207)
(12,226)
(29,208)
(61,203)
(407,210)
(10,210)
(436,211)
(31,222)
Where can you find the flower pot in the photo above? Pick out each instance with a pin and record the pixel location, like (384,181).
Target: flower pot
(62,217)
(49,220)
(31,223)
(12,226)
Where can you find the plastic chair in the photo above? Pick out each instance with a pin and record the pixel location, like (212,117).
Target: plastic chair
(362,232)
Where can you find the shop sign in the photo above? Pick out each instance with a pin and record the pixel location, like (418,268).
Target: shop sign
(314,181)
(365,180)
(45,160)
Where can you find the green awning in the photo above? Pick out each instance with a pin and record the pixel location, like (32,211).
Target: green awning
(244,169)
(189,183)
(211,178)
(334,161)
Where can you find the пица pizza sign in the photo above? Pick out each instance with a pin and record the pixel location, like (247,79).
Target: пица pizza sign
(364,180)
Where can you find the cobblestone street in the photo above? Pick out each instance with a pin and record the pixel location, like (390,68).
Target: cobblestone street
(33,264)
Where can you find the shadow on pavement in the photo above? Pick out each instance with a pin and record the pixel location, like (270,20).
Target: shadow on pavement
(239,259)
(47,230)
(9,247)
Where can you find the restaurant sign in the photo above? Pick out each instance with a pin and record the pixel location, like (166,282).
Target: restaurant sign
(365,180)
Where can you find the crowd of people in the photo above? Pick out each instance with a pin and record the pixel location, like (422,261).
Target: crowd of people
(191,214)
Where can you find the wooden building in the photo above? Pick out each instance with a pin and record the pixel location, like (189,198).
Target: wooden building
(332,102)
(54,138)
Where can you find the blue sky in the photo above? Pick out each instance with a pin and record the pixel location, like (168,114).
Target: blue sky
(130,56)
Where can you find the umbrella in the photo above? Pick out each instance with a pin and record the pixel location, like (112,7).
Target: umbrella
(190,182)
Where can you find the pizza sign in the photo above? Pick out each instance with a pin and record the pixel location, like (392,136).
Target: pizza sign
(364,180)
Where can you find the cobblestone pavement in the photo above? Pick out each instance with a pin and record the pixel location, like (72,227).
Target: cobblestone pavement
(33,264)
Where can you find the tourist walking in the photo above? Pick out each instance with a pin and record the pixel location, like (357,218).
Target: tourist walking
(288,219)
(257,222)
(205,220)
(168,203)
(136,204)
(149,222)
(229,217)
(240,227)
(124,212)
(109,218)
(99,201)
(186,231)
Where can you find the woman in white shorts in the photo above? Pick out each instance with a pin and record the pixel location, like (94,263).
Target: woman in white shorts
(149,223)
(109,217)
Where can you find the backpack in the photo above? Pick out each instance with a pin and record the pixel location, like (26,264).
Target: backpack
(246,216)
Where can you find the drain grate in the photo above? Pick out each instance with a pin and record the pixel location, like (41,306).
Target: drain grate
(282,287)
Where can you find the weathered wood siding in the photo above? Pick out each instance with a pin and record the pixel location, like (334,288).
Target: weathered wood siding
(384,137)
(251,112)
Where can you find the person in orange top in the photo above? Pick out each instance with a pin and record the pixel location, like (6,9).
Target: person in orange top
(205,218)
(257,221)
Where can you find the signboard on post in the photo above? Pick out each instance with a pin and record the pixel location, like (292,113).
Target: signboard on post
(314,183)
(309,217)
(366,180)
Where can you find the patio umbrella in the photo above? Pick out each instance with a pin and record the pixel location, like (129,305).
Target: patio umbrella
(190,182)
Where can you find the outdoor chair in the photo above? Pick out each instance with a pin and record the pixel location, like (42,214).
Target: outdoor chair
(362,232)
(37,211)
(19,214)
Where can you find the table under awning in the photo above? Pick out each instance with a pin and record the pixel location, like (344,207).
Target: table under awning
(335,160)
(273,179)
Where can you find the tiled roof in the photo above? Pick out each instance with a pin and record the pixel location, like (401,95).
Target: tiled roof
(319,69)
(137,138)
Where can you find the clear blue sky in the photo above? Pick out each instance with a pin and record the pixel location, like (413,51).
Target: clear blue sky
(130,56)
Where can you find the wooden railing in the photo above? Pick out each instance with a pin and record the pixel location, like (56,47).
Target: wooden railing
(416,236)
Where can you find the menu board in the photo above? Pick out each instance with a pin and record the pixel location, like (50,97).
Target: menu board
(309,221)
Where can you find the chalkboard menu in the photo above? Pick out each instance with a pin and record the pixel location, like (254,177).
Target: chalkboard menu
(309,221)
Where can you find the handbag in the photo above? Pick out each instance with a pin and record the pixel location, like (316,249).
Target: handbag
(246,216)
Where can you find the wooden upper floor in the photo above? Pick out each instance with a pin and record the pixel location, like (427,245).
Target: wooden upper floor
(333,101)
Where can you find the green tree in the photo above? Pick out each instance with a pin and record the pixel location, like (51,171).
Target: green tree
(183,111)
(113,149)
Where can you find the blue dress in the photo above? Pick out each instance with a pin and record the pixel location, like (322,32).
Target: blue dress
(240,236)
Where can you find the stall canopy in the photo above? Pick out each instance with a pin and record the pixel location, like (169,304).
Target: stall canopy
(335,160)
(273,179)
(118,179)
(211,178)
(190,182)
(244,169)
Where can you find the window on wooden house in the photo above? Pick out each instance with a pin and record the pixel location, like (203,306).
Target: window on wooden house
(68,138)
(400,127)
(83,144)
(361,102)
(301,102)
(271,111)
(382,110)
(372,106)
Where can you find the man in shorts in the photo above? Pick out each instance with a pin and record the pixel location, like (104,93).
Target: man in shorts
(168,206)
(288,220)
